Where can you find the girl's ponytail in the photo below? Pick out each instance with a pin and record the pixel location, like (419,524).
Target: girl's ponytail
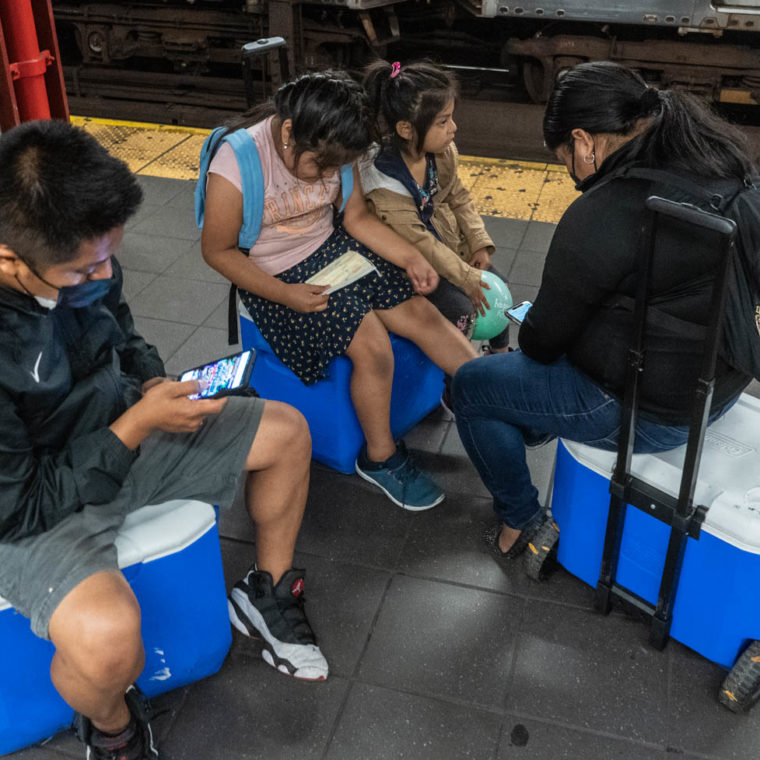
(377,78)
(414,92)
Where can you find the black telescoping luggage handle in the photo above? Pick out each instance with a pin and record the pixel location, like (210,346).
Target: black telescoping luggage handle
(685,212)
(264,50)
(625,489)
(726,228)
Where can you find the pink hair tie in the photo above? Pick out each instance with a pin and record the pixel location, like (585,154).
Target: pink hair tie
(395,68)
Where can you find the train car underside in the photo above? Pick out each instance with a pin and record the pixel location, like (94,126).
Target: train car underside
(714,52)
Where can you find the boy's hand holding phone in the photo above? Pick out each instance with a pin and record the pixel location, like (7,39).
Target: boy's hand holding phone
(174,411)
(229,376)
(181,407)
(165,406)
(148,384)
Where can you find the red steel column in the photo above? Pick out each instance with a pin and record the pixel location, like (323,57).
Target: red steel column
(27,64)
(48,40)
(8,107)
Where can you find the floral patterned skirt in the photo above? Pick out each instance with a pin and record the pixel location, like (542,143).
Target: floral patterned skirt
(306,343)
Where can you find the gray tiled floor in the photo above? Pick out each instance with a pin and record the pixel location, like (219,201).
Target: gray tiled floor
(437,652)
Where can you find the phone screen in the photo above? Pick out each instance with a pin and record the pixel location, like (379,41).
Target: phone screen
(221,376)
(517,313)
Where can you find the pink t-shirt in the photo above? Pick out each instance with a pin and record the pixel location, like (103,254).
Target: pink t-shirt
(298,215)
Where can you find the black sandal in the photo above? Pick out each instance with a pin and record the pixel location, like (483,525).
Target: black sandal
(491,539)
(541,557)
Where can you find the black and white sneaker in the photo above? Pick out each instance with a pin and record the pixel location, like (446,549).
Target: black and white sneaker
(135,742)
(258,608)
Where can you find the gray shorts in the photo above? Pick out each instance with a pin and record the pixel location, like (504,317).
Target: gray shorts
(37,572)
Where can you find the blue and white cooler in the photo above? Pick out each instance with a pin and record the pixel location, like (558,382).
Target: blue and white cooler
(717,606)
(170,555)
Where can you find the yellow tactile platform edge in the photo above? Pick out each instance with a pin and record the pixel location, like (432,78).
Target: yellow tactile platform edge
(500,187)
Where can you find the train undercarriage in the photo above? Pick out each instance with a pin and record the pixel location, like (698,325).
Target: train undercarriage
(501,52)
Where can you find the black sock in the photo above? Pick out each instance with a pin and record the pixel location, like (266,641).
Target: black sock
(111,742)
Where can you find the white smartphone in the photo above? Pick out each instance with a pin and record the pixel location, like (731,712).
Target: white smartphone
(517,313)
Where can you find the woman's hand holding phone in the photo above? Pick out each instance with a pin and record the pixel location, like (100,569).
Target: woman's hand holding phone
(517,313)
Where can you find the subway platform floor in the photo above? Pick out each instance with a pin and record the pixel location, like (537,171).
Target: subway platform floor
(436,651)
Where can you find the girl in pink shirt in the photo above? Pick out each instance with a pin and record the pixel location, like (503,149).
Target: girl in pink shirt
(317,123)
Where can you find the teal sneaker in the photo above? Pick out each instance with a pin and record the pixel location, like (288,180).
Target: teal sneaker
(400,480)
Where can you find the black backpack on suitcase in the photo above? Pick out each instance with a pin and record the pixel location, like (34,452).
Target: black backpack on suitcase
(741,319)
(740,343)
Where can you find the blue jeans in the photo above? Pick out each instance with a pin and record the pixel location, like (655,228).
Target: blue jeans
(505,401)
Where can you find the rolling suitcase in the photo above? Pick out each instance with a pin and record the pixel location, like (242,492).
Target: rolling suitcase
(654,527)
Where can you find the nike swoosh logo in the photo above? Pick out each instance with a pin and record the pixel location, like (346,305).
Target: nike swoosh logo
(35,373)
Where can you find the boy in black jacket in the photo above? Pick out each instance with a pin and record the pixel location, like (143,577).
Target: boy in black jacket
(91,429)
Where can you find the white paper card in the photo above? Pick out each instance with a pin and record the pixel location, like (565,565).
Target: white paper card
(346,269)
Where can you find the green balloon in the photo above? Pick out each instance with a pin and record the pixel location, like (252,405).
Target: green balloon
(499,300)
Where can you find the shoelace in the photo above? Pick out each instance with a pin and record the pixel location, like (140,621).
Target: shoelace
(412,473)
(292,609)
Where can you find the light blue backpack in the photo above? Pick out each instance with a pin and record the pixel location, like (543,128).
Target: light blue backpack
(252,177)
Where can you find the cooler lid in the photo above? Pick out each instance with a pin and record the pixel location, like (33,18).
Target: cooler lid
(156,531)
(729,474)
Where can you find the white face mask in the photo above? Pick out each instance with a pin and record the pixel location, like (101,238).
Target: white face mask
(46,303)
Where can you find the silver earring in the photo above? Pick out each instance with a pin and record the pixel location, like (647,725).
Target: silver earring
(589,159)
(284,146)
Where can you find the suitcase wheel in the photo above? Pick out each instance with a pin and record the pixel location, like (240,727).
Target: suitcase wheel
(741,689)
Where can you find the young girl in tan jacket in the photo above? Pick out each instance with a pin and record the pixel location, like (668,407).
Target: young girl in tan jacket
(410,181)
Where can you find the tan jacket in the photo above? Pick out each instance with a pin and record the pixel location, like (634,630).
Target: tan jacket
(455,217)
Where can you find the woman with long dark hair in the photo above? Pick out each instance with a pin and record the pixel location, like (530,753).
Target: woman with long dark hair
(601,121)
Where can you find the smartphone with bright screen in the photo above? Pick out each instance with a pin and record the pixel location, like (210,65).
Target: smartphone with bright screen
(517,313)
(224,377)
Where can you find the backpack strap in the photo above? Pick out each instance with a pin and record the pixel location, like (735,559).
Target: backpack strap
(252,179)
(715,200)
(346,183)
(208,150)
(251,176)
(658,317)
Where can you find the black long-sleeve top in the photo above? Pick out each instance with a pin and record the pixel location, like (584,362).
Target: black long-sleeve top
(593,258)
